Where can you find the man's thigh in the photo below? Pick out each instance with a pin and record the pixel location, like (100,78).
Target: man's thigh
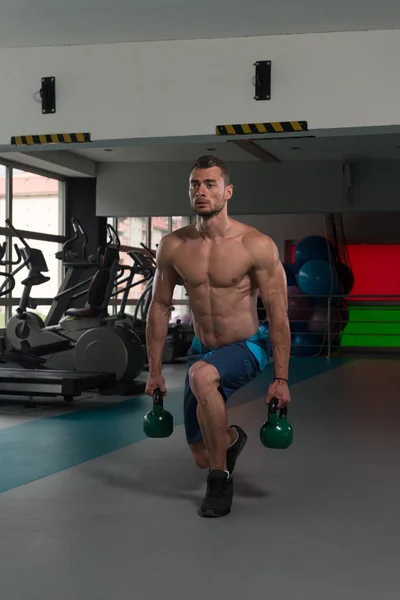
(236,366)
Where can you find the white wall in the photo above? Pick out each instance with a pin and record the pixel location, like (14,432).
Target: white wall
(146,189)
(266,197)
(152,189)
(282,228)
(186,88)
(377,184)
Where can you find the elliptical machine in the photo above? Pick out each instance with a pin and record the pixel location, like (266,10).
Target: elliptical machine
(9,280)
(86,339)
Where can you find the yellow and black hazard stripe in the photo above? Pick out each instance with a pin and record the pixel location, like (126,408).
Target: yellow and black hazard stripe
(256,128)
(52,138)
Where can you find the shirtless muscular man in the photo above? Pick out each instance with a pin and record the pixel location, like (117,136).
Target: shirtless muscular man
(224,264)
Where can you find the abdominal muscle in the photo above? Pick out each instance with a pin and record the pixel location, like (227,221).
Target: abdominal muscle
(222,316)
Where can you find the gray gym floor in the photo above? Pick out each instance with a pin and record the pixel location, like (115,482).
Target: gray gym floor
(317,521)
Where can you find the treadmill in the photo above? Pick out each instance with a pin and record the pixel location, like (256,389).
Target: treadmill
(47,383)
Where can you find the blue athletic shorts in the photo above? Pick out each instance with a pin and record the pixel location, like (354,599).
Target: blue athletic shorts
(236,363)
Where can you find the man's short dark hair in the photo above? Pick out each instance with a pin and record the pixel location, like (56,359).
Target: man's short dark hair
(207,161)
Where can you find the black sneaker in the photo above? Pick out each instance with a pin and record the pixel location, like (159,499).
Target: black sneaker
(233,453)
(218,499)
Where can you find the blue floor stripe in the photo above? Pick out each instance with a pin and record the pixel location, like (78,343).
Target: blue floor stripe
(39,448)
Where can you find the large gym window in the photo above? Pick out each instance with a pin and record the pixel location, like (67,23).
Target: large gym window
(3,269)
(134,231)
(159,227)
(2,194)
(162,225)
(46,290)
(34,202)
(179,222)
(2,237)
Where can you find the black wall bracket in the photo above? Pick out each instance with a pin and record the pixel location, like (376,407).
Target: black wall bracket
(263,80)
(48,95)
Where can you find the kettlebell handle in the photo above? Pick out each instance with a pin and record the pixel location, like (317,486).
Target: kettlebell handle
(272,408)
(158,399)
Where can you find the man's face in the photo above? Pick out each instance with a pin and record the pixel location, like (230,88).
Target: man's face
(207,191)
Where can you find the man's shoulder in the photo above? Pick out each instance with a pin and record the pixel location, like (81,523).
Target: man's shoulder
(261,249)
(253,239)
(178,236)
(171,241)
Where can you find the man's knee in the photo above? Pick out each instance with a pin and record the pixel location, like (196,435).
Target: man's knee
(200,455)
(202,376)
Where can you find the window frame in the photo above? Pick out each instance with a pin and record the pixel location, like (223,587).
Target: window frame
(10,301)
(125,248)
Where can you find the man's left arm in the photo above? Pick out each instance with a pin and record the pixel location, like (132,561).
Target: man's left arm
(271,280)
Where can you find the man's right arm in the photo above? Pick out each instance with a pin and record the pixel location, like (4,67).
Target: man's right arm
(158,316)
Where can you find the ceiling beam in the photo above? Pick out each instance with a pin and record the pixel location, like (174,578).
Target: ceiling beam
(252,148)
(61,162)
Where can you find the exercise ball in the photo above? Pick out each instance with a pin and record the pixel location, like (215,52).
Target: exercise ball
(318,277)
(298,304)
(318,322)
(346,277)
(290,276)
(306,344)
(313,247)
(298,326)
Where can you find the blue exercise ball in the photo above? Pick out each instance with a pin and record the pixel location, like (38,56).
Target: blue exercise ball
(313,247)
(298,327)
(290,276)
(318,277)
(306,344)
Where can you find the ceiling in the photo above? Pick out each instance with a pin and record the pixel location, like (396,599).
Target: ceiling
(354,148)
(164,152)
(25,23)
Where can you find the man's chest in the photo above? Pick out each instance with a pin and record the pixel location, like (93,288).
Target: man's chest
(218,265)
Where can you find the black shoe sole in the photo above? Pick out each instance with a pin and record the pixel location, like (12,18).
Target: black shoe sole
(210,514)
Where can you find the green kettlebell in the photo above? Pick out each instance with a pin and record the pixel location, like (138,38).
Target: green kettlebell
(158,422)
(276,432)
